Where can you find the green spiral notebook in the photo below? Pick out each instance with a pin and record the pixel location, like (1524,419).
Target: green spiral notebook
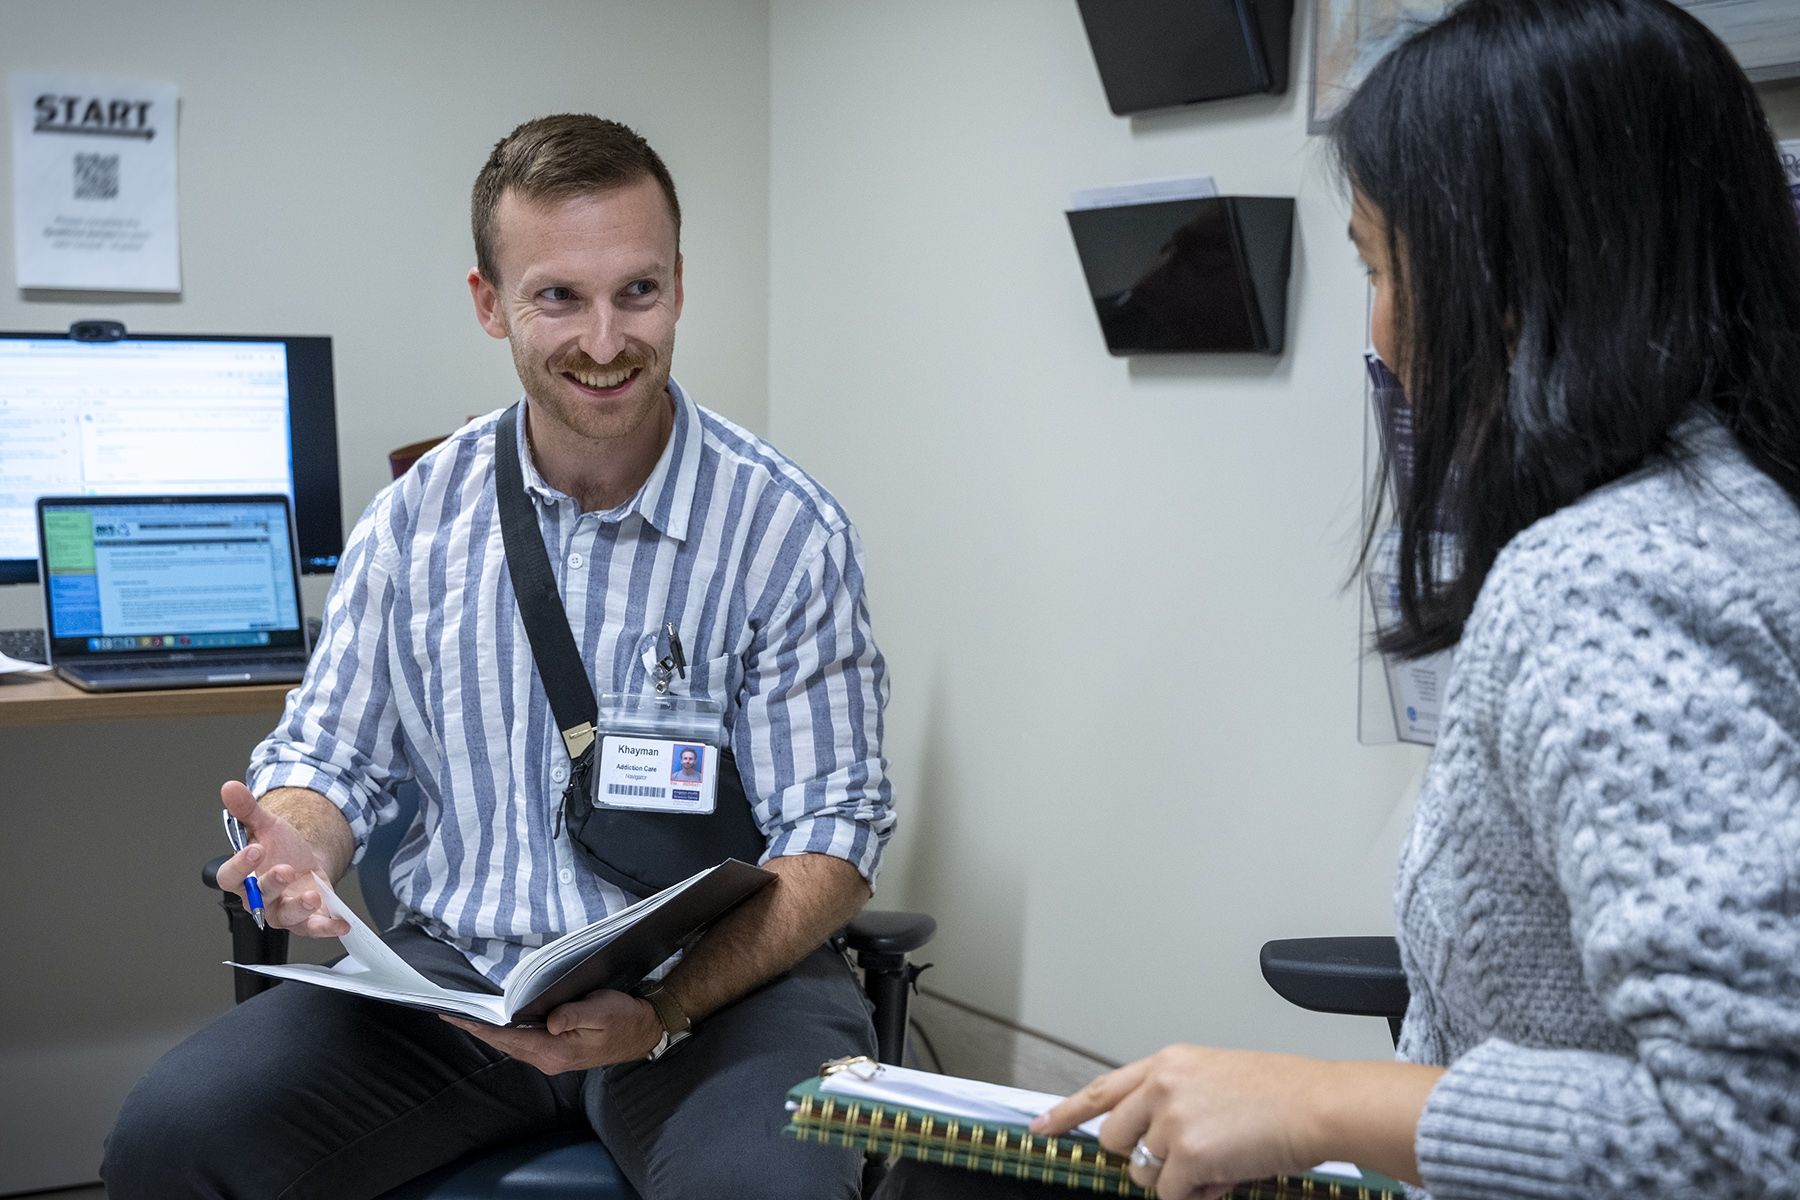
(980,1126)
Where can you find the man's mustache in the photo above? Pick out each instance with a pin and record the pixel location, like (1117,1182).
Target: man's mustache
(625,360)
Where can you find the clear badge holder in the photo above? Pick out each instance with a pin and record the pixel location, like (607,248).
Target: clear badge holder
(658,753)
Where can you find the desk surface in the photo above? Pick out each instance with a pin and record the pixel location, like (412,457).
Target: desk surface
(47,700)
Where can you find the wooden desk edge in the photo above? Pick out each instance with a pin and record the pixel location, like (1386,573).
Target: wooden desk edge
(47,700)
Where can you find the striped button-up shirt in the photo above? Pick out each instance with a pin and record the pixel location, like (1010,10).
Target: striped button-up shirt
(424,672)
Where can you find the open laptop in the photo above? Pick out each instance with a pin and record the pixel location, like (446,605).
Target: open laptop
(170,591)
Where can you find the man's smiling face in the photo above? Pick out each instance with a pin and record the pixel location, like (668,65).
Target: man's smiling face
(588,294)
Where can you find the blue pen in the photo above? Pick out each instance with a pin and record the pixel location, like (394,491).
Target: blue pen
(234,833)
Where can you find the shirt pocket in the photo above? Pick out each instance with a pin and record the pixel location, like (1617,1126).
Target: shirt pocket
(713,679)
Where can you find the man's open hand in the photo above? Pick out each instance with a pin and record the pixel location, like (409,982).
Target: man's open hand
(283,862)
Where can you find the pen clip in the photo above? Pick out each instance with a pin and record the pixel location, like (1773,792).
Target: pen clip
(675,654)
(234,831)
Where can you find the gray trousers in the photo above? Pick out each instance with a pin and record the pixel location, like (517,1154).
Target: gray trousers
(302,1092)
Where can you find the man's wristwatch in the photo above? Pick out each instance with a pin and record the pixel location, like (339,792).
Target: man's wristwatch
(675,1023)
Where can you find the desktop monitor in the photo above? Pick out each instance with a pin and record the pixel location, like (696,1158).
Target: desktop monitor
(165,414)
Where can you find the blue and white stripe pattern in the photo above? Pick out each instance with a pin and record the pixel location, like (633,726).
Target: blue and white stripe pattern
(424,672)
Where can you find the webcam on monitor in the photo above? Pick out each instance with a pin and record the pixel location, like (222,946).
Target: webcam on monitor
(97,331)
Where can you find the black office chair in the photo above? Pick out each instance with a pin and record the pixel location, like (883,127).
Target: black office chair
(572,1164)
(1359,976)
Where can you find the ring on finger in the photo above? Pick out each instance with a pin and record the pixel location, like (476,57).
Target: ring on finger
(1144,1156)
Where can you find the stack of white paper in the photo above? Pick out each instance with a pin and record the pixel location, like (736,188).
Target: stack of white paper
(18,666)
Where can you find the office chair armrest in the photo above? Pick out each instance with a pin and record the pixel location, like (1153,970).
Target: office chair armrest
(882,941)
(209,874)
(1360,976)
(264,947)
(889,932)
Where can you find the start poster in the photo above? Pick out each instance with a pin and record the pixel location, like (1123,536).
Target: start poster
(94,184)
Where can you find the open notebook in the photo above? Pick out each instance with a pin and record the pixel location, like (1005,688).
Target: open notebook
(980,1126)
(617,951)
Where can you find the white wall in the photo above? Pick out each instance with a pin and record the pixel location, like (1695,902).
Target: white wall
(326,155)
(327,151)
(1124,723)
(1125,676)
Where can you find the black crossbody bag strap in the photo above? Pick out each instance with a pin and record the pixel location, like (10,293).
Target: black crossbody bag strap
(559,662)
(639,852)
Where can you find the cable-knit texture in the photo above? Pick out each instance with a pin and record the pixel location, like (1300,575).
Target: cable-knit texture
(1599,906)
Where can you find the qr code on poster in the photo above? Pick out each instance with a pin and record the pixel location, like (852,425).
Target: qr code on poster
(96,177)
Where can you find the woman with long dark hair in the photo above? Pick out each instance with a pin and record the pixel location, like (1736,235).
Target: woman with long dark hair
(1587,276)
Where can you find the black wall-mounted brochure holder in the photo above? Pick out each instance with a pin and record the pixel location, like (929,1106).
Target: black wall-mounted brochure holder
(1189,276)
(1155,54)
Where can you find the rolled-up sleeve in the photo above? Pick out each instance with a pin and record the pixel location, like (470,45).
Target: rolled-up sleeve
(809,723)
(339,734)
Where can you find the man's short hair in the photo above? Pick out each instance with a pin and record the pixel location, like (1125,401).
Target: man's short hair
(556,158)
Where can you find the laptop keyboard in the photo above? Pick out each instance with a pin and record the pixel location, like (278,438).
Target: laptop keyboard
(216,665)
(27,644)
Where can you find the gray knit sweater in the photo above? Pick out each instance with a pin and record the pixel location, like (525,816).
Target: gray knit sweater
(1599,906)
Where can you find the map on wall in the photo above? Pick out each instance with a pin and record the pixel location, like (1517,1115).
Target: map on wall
(1764,34)
(1350,36)
(1790,163)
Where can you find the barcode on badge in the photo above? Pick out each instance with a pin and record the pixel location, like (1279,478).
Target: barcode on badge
(636,789)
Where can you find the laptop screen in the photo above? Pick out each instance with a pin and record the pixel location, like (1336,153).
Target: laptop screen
(168,575)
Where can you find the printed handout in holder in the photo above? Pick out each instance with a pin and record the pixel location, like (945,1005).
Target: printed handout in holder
(659,753)
(1790,165)
(1415,687)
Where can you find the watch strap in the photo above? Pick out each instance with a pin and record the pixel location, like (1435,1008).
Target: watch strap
(668,1011)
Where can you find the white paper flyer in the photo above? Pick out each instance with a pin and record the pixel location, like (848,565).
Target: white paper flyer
(94,184)
(1415,688)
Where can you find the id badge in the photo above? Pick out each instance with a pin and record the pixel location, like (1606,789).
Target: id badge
(658,754)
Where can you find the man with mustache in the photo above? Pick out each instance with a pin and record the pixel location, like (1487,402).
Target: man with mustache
(658,517)
(689,769)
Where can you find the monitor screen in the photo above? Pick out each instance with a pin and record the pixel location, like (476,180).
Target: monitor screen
(167,414)
(147,574)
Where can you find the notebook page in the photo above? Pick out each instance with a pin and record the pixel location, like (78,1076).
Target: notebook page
(374,961)
(948,1094)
